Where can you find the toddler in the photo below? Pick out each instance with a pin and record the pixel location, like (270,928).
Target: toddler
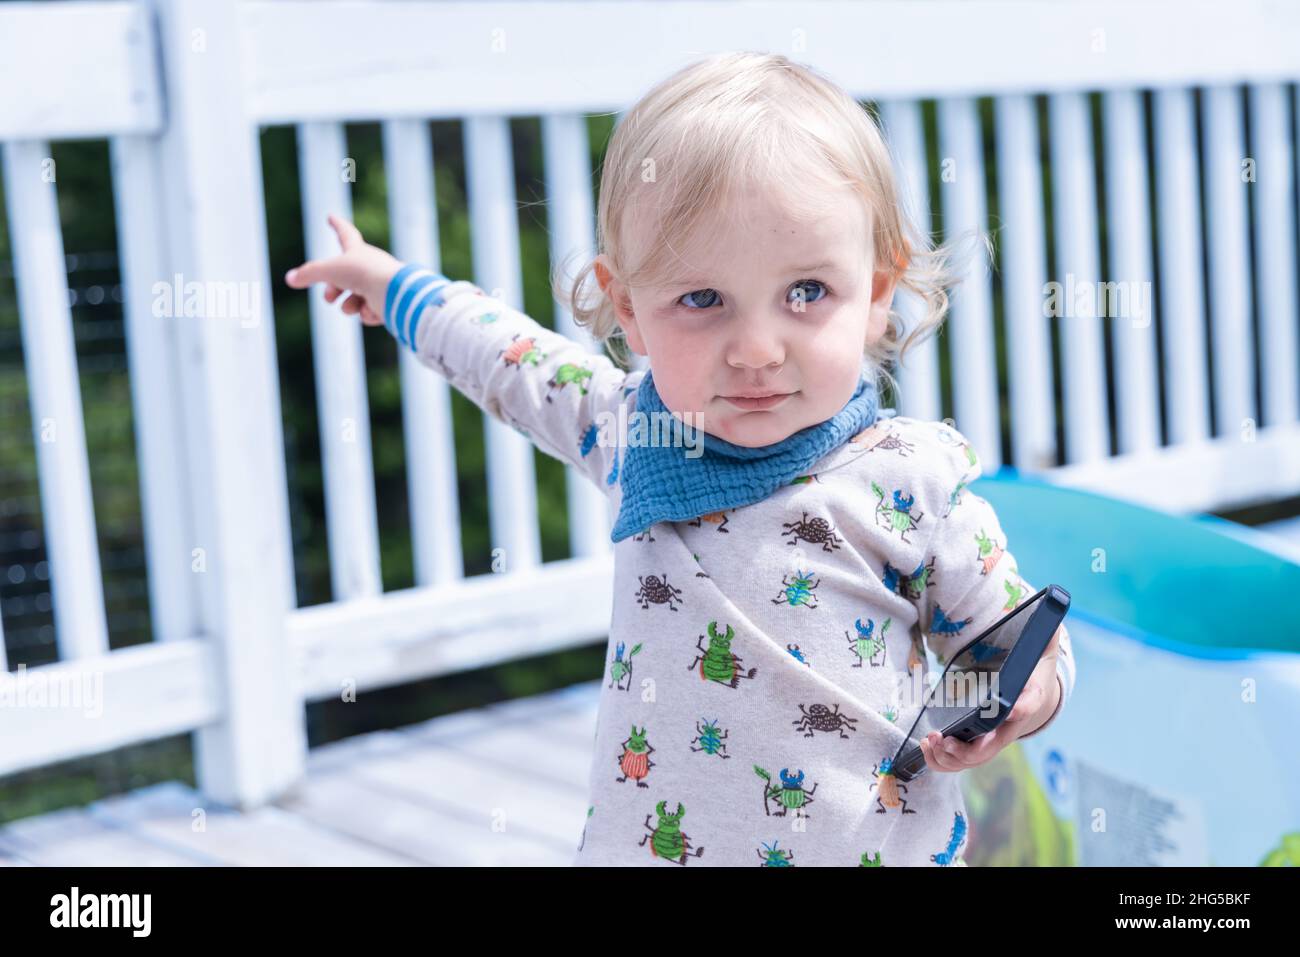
(786,551)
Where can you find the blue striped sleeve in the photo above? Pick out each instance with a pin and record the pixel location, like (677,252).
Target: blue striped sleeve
(553,391)
(409,291)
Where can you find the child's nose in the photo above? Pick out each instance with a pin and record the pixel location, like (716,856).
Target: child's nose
(757,346)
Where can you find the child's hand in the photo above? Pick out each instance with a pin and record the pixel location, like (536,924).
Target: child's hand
(363,269)
(1035,705)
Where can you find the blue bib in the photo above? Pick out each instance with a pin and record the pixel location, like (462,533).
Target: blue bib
(661,483)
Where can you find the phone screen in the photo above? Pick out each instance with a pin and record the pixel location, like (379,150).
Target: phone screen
(969,680)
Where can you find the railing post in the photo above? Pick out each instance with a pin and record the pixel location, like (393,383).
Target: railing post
(229,395)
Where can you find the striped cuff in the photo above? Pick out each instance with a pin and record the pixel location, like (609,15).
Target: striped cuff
(409,291)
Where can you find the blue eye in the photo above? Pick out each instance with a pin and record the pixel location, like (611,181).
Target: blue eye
(795,289)
(695,293)
(689,301)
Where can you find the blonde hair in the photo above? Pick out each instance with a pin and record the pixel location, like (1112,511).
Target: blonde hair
(733,120)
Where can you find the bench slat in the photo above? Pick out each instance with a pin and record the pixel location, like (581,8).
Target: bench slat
(512,486)
(1275,250)
(1024,276)
(1074,201)
(918,375)
(58,430)
(570,222)
(1182,299)
(1228,242)
(426,396)
(339,359)
(1128,222)
(970,336)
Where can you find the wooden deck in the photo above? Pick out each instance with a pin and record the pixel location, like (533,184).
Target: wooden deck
(503,784)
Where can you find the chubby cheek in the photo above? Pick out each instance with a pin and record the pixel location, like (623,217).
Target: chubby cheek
(682,367)
(828,366)
(840,372)
(681,387)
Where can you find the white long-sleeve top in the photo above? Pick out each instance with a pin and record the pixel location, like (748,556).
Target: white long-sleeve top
(761,660)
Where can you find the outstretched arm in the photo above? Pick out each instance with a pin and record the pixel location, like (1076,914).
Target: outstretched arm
(547,387)
(553,390)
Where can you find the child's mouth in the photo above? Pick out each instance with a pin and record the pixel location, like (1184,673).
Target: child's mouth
(756,404)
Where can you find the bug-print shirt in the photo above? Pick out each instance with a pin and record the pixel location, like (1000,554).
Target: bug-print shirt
(765,662)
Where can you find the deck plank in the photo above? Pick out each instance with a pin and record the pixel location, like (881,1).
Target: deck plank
(266,836)
(431,836)
(74,837)
(484,796)
(504,784)
(577,718)
(532,753)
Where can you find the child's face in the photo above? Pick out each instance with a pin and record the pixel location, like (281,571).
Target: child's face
(735,325)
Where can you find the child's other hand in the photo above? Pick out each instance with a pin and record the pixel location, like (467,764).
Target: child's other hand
(362,269)
(1035,705)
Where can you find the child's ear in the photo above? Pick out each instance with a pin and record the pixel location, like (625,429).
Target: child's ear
(622,300)
(882,298)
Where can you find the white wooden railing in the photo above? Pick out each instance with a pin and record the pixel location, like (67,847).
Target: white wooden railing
(180,89)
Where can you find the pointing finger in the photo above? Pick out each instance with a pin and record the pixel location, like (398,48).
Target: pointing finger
(349,235)
(337,271)
(309,273)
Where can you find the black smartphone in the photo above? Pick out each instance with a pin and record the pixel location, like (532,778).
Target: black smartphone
(987,676)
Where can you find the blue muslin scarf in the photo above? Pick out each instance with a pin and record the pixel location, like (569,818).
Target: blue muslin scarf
(661,483)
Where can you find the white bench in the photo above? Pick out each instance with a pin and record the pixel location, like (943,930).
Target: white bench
(180,89)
